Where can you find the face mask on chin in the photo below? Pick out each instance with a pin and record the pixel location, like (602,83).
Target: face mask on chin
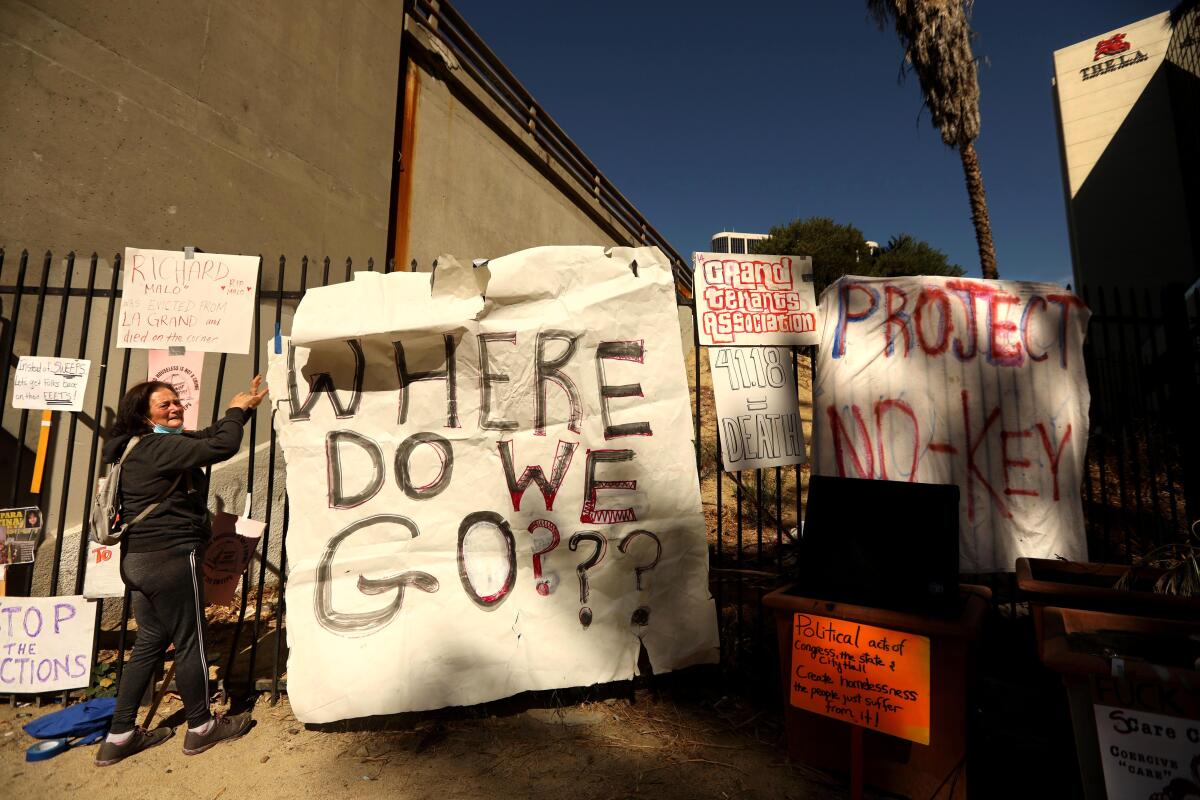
(164,429)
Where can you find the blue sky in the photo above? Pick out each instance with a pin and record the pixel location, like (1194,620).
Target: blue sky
(740,116)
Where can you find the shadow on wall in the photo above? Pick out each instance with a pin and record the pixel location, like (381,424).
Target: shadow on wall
(1133,225)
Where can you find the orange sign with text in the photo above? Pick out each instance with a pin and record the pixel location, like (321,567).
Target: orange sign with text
(867,676)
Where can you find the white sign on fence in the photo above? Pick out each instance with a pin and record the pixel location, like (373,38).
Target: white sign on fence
(57,384)
(1148,755)
(203,303)
(45,643)
(758,409)
(759,299)
(489,497)
(978,383)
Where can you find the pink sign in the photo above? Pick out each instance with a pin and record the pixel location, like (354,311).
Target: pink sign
(182,372)
(234,540)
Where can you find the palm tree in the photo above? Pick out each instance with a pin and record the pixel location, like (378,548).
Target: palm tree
(937,46)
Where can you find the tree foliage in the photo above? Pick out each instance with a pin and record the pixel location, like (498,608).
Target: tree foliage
(839,249)
(907,255)
(936,36)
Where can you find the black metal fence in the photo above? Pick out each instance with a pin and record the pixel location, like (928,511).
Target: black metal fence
(1139,490)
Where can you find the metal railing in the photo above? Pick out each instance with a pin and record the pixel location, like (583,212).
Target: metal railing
(1141,450)
(485,68)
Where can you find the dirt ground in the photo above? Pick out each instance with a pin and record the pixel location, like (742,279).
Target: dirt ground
(643,746)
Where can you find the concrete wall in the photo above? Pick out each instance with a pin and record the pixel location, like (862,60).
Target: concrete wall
(480,189)
(236,127)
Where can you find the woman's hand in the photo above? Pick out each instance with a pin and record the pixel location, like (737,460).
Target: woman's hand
(248,401)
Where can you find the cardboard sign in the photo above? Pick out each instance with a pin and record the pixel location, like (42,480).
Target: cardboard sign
(203,303)
(1144,754)
(761,299)
(489,497)
(56,384)
(184,373)
(977,383)
(758,409)
(102,572)
(22,526)
(45,643)
(867,676)
(234,540)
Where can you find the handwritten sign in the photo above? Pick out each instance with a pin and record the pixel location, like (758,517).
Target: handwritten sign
(183,373)
(489,498)
(22,527)
(758,410)
(45,643)
(233,541)
(1148,755)
(867,676)
(745,300)
(204,303)
(102,572)
(57,384)
(977,383)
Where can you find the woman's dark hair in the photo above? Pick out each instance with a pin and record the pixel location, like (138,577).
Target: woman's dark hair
(134,408)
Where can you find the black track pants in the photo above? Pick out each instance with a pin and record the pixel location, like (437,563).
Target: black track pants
(167,589)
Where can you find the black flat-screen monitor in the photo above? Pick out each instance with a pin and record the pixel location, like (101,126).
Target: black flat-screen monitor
(884,544)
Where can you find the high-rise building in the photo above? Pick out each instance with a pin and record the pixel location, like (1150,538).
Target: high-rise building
(1128,108)
(734,242)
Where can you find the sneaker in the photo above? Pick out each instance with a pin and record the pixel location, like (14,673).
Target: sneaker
(224,727)
(142,739)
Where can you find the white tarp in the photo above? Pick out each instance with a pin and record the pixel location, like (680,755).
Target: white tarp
(755,299)
(978,383)
(450,539)
(758,409)
(202,302)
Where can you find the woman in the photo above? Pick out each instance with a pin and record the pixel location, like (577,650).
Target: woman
(161,557)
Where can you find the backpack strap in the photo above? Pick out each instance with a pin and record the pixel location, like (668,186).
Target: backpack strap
(148,510)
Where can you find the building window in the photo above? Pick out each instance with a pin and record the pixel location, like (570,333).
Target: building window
(737,244)
(720,245)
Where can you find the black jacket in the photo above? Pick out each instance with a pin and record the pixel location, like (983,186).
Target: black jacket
(182,517)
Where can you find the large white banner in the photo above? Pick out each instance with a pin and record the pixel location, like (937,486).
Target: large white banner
(489,496)
(755,299)
(978,383)
(202,302)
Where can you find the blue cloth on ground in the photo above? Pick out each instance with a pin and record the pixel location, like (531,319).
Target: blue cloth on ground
(87,722)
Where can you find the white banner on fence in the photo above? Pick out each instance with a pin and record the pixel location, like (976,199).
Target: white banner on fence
(1148,755)
(102,574)
(949,380)
(758,409)
(45,643)
(489,497)
(759,299)
(203,303)
(57,384)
